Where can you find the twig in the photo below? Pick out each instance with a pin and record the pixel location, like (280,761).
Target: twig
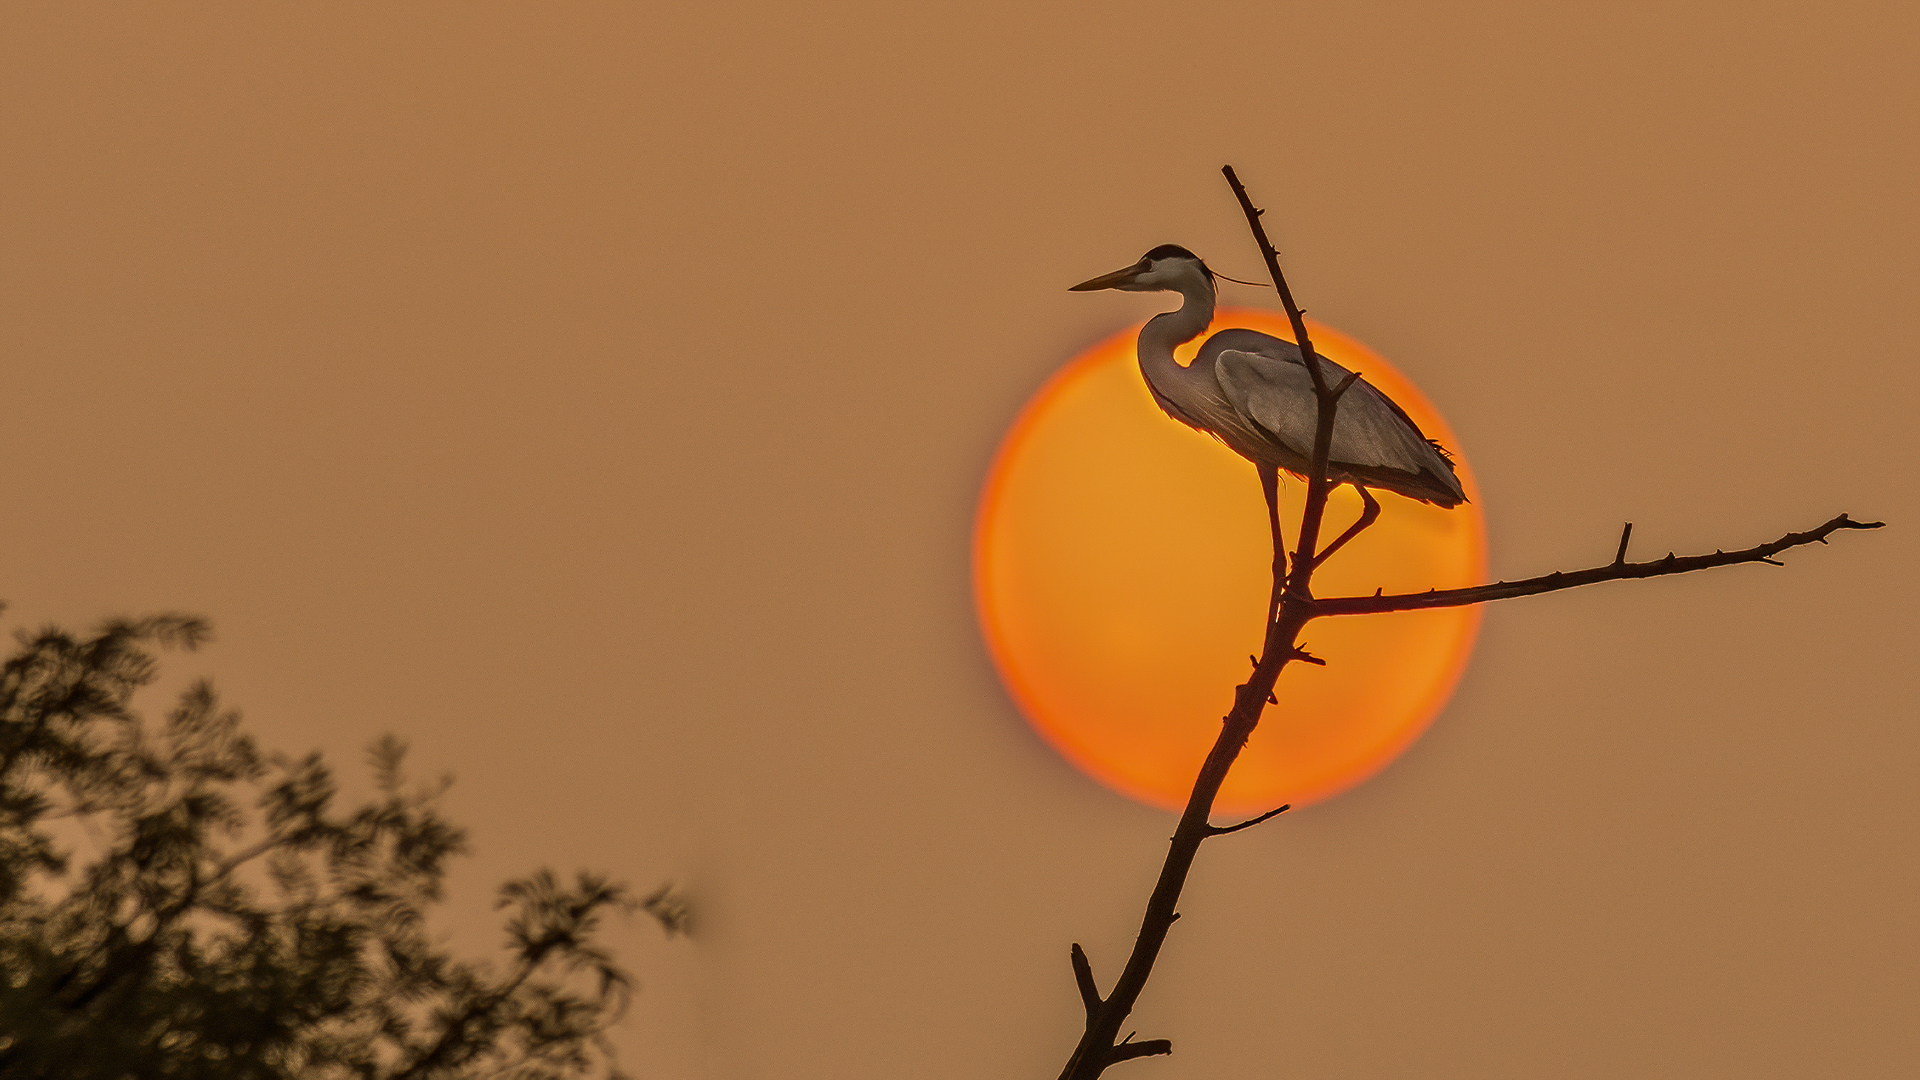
(1083,977)
(1127,1051)
(1558,580)
(1620,554)
(1222,830)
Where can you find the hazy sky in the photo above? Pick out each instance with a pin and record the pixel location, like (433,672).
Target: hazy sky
(598,394)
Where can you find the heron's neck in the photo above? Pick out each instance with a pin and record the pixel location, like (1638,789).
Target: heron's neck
(1163,333)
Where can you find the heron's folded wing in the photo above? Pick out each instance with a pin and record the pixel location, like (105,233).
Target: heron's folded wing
(1277,393)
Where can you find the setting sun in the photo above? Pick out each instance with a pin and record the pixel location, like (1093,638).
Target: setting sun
(1121,566)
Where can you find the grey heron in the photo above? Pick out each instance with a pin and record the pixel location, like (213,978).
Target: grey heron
(1253,392)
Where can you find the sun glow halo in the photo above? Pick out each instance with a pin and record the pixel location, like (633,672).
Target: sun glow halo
(1121,566)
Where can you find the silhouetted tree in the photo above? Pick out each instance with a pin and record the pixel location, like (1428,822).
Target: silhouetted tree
(175,903)
(1294,605)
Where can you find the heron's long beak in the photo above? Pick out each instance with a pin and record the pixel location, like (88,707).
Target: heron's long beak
(1109,281)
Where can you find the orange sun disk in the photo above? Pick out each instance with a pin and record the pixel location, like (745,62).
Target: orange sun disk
(1121,567)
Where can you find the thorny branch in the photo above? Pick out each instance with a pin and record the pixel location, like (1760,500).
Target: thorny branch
(1618,570)
(1099,1045)
(1097,1048)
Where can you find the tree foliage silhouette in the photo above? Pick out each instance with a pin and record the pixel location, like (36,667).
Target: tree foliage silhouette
(177,903)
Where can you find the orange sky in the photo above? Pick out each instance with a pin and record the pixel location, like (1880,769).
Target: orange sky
(598,395)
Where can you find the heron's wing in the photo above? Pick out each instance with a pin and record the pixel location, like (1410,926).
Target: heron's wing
(1240,339)
(1275,393)
(1273,388)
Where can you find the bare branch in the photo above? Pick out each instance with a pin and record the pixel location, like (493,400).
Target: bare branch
(1222,830)
(1329,400)
(1083,976)
(1272,256)
(1558,580)
(1127,1051)
(1626,533)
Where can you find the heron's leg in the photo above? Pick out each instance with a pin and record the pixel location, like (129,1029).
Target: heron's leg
(1369,511)
(1270,487)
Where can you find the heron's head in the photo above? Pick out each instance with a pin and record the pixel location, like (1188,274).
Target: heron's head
(1167,268)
